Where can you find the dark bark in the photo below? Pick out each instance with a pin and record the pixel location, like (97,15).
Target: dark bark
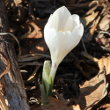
(13,83)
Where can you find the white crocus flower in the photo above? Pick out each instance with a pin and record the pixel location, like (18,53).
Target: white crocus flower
(62,33)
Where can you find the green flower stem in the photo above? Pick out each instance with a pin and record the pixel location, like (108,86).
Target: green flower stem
(47,83)
(44,97)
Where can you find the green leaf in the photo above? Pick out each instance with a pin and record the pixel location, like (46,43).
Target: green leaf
(47,82)
(50,86)
(45,76)
(46,69)
(44,96)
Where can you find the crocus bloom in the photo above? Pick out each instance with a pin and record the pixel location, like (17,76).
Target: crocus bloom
(62,33)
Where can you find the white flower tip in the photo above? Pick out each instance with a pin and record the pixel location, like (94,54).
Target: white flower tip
(75,16)
(76,19)
(62,9)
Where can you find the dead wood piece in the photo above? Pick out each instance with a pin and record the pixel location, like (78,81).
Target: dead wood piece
(12,82)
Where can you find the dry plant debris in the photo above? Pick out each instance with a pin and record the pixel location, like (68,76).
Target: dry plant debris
(3,104)
(27,19)
(93,91)
(54,104)
(103,63)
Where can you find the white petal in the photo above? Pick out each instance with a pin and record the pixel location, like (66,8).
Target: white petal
(72,22)
(81,28)
(53,21)
(76,20)
(60,43)
(59,18)
(69,24)
(78,33)
(49,34)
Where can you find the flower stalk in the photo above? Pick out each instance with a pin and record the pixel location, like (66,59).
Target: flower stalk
(47,83)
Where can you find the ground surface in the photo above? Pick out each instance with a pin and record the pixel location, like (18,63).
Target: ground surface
(27,20)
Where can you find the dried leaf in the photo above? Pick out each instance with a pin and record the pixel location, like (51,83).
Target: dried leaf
(95,23)
(17,2)
(36,33)
(104,63)
(93,91)
(91,17)
(105,23)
